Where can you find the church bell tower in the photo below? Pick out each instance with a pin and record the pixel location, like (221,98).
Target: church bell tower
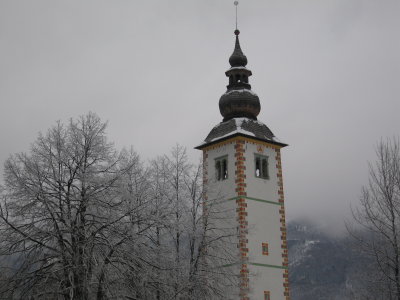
(242,164)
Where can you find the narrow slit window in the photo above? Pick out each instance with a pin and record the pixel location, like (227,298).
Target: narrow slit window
(224,169)
(261,166)
(267,295)
(258,167)
(221,168)
(264,168)
(264,248)
(218,170)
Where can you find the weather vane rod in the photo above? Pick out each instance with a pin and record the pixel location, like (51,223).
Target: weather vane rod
(236,5)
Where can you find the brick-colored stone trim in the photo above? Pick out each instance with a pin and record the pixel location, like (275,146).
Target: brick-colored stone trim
(285,260)
(242,217)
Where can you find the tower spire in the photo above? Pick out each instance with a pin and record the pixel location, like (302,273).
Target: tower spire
(237,59)
(239,101)
(236,5)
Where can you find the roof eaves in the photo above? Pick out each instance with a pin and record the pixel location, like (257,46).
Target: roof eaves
(206,144)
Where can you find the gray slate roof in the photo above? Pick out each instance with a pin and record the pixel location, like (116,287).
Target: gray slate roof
(240,126)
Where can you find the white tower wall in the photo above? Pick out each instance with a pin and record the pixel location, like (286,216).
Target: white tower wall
(255,206)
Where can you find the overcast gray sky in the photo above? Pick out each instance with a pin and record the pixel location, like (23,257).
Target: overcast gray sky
(327,74)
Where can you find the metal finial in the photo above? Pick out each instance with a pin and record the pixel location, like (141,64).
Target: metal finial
(236,5)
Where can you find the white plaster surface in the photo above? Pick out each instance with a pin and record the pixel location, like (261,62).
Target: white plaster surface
(266,189)
(263,218)
(224,188)
(266,279)
(264,225)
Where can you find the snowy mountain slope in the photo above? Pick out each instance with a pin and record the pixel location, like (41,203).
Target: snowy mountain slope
(321,266)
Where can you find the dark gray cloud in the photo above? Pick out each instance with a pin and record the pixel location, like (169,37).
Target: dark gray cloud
(327,73)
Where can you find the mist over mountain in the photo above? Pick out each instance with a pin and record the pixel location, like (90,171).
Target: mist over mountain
(324,266)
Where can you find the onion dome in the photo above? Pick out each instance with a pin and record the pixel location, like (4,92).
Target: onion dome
(239,106)
(239,100)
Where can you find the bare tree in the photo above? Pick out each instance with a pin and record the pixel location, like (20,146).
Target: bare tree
(187,232)
(379,217)
(80,220)
(62,213)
